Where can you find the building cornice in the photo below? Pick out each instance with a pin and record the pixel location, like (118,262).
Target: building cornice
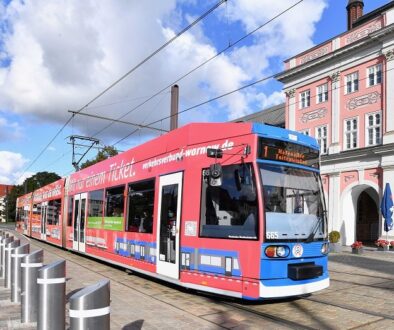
(374,37)
(358,154)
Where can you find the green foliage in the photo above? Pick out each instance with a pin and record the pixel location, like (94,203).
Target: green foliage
(36,181)
(103,154)
(334,236)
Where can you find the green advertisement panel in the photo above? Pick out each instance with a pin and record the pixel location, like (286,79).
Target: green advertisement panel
(113,223)
(95,222)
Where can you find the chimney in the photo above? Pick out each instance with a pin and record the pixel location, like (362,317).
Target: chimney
(174,107)
(354,12)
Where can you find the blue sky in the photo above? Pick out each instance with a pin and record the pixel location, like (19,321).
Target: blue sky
(56,56)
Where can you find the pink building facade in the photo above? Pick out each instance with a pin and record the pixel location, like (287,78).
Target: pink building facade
(342,93)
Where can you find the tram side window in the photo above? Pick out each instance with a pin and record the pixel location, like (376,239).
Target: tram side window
(53,213)
(37,209)
(95,210)
(70,211)
(230,210)
(115,202)
(141,197)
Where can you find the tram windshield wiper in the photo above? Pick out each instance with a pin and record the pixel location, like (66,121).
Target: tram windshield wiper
(315,230)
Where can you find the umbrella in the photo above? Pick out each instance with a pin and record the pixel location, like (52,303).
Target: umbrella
(387,208)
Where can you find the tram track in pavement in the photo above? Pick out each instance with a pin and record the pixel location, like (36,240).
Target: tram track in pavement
(217,299)
(238,305)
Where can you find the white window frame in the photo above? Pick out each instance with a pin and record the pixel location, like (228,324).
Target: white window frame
(323,92)
(367,127)
(321,137)
(374,69)
(305,99)
(351,131)
(352,78)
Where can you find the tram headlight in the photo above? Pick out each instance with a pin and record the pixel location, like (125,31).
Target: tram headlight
(324,248)
(277,251)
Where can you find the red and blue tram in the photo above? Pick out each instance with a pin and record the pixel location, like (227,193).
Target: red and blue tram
(230,208)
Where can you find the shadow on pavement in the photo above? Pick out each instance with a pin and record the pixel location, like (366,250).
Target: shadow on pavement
(379,265)
(136,325)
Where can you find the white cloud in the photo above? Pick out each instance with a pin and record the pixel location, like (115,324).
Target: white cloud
(65,52)
(11,167)
(9,130)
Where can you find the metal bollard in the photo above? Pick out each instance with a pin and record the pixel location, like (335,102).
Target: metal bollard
(89,307)
(52,296)
(9,248)
(5,240)
(16,275)
(29,295)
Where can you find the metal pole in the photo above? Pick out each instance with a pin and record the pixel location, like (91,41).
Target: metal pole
(9,248)
(2,253)
(16,276)
(89,307)
(29,296)
(52,296)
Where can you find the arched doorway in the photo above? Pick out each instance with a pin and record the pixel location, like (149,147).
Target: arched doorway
(367,223)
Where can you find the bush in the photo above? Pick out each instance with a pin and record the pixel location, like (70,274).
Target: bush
(334,236)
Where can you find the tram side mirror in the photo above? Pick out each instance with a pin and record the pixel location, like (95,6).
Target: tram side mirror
(214,153)
(215,175)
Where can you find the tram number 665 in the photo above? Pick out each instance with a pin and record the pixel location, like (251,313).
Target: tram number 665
(272,234)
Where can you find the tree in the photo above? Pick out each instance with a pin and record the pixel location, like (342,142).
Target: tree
(36,181)
(103,154)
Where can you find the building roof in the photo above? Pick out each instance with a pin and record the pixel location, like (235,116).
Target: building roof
(5,189)
(371,15)
(274,116)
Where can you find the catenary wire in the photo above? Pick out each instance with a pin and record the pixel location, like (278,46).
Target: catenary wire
(214,7)
(200,65)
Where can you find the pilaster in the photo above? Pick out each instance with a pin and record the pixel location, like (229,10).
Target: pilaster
(290,94)
(335,112)
(388,136)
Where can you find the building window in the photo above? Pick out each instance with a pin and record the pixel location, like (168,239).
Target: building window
(373,128)
(374,75)
(305,132)
(352,82)
(321,137)
(305,99)
(351,133)
(322,93)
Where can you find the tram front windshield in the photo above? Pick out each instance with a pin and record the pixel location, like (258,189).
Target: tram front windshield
(293,204)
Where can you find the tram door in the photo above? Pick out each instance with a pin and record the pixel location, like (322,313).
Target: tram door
(170,197)
(44,215)
(79,217)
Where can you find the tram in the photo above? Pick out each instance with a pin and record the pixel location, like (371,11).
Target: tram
(235,209)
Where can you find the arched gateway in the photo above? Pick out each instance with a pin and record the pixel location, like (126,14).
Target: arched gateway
(360,213)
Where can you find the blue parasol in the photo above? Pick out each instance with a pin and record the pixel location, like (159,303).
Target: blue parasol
(387,208)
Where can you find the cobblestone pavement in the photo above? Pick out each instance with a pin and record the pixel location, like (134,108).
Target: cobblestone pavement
(361,296)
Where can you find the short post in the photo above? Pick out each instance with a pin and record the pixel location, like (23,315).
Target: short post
(16,274)
(9,248)
(89,307)
(29,295)
(5,240)
(52,296)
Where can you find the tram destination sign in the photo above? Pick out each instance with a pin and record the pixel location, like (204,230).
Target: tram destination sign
(288,152)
